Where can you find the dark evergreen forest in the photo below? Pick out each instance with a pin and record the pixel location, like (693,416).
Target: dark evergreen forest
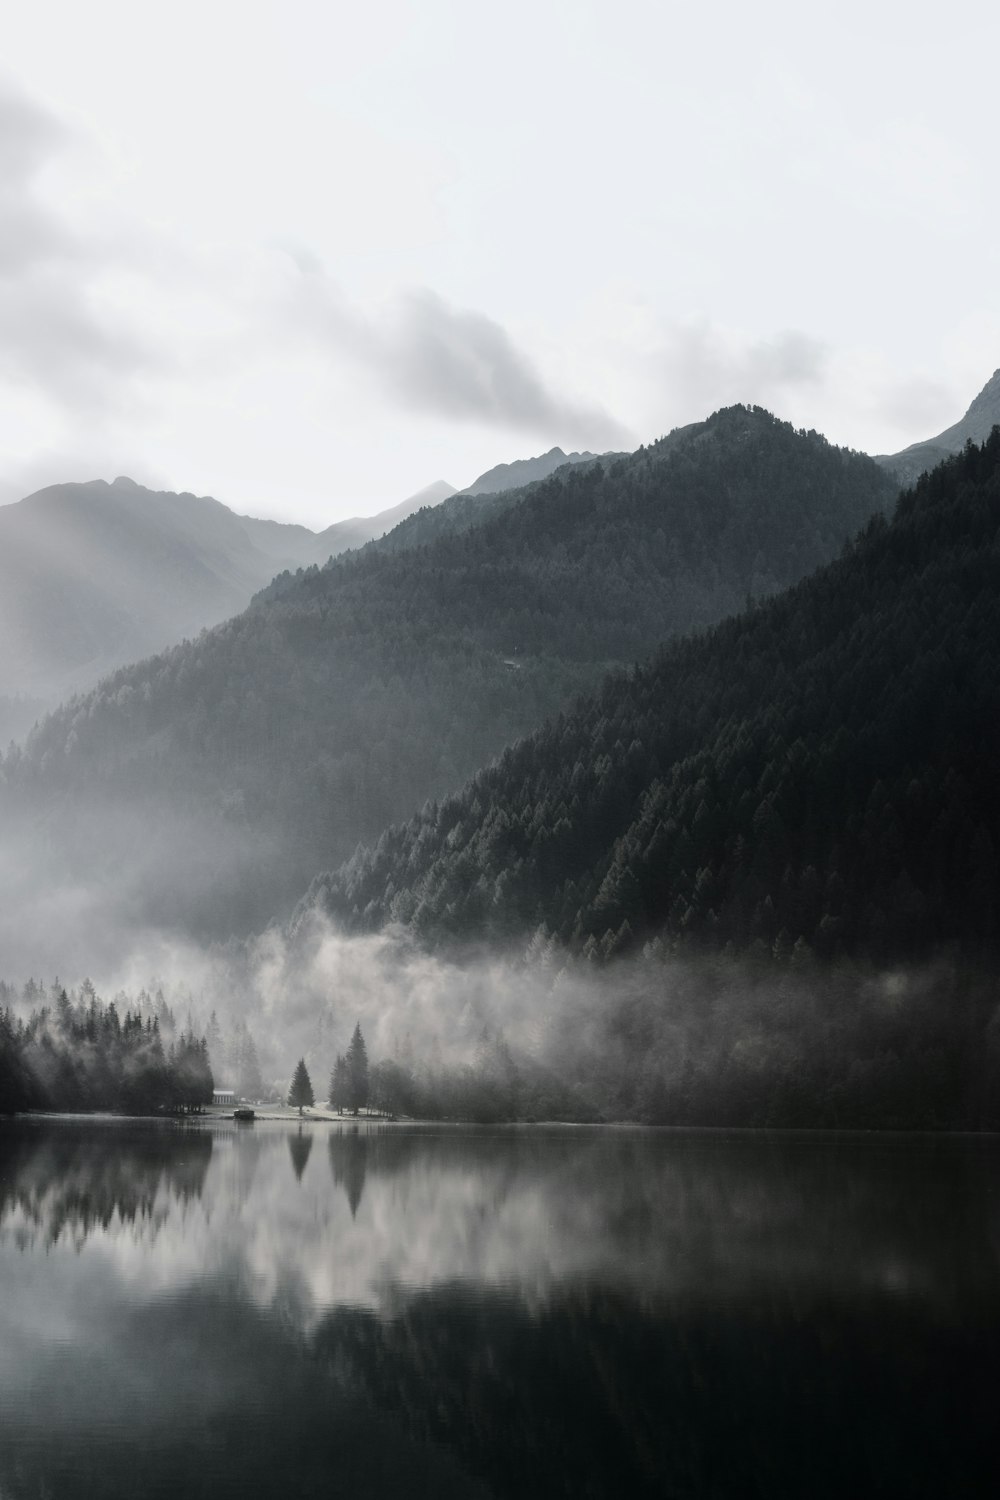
(814,778)
(213,781)
(76,1053)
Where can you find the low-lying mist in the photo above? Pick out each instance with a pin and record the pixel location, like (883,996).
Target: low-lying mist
(535,1033)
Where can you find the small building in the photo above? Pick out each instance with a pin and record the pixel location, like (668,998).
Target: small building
(223,1096)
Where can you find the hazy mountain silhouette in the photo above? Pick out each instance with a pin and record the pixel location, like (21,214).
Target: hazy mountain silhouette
(95,575)
(524,471)
(343,535)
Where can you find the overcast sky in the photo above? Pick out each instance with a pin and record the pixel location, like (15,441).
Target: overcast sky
(308,256)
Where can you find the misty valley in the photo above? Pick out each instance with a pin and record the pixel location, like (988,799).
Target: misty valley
(586,886)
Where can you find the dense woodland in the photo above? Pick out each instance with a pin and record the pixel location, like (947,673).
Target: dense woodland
(817,776)
(76,1053)
(214,780)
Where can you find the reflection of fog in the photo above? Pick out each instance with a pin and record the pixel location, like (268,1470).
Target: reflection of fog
(667,1216)
(348,1161)
(687,1216)
(248,1146)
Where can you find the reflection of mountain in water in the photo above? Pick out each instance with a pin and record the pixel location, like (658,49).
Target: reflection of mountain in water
(348,1161)
(204,1394)
(299,1147)
(596,1395)
(519,1314)
(79,1178)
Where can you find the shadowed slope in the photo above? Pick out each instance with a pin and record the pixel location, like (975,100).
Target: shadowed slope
(206,786)
(822,768)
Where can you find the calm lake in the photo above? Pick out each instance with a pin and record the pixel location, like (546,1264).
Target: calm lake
(261,1310)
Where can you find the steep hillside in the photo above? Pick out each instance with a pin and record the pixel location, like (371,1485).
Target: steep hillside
(816,775)
(210,783)
(975,427)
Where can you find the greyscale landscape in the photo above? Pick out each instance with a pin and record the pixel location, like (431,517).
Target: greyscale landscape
(498,972)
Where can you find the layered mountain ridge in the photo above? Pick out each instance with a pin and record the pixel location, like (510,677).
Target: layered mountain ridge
(204,787)
(815,777)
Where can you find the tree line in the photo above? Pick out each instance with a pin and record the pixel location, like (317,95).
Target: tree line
(350,1082)
(77,1053)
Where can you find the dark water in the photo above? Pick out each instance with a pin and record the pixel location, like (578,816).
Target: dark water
(254,1311)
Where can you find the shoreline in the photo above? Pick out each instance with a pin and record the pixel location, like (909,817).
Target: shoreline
(211,1118)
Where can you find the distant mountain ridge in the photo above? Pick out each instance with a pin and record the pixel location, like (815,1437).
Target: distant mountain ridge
(975,426)
(342,536)
(94,575)
(524,471)
(207,785)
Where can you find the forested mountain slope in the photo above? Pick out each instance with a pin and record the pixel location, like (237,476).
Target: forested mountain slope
(210,783)
(820,771)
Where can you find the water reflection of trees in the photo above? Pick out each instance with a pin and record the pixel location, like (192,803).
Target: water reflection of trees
(349,1162)
(705,1314)
(300,1146)
(603,1313)
(677,1217)
(598,1395)
(80,1179)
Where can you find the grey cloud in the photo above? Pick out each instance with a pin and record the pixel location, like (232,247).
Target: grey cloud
(918,405)
(703,370)
(50,335)
(29,232)
(449,362)
(465,365)
(27,133)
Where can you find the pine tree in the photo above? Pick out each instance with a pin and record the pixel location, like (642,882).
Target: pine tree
(213,1037)
(301,1091)
(339,1083)
(357,1071)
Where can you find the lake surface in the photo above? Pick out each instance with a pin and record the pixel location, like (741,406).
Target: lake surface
(263,1310)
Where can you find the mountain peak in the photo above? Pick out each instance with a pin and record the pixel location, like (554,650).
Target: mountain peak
(982,416)
(523,471)
(988,399)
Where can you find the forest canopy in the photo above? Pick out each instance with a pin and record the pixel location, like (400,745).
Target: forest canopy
(77,1053)
(815,777)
